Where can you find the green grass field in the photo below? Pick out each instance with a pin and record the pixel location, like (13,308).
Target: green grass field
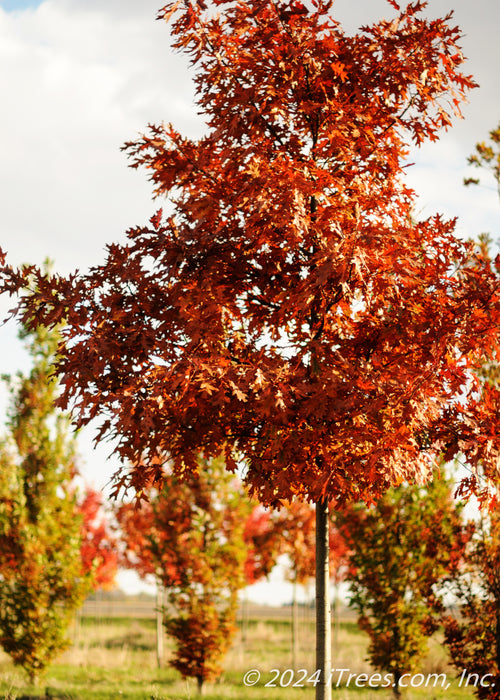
(115,659)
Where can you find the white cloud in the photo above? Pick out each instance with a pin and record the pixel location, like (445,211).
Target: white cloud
(80,82)
(83,77)
(440,167)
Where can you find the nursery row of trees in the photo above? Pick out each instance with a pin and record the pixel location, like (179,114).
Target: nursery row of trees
(413,564)
(407,556)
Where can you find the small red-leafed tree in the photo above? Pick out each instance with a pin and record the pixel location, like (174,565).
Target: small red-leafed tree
(289,311)
(138,531)
(400,549)
(135,526)
(190,536)
(296,524)
(138,525)
(98,548)
(264,544)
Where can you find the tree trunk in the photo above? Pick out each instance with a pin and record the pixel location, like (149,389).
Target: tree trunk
(336,620)
(295,627)
(77,629)
(159,624)
(323,613)
(244,617)
(396,688)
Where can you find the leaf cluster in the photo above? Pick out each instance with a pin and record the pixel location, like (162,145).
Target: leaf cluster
(401,548)
(289,313)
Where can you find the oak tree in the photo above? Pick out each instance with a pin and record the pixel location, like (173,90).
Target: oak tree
(191,537)
(486,158)
(287,310)
(401,548)
(295,522)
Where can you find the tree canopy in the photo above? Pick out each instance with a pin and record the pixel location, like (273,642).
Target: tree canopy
(191,536)
(44,576)
(288,310)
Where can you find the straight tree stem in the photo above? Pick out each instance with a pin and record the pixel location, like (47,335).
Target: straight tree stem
(159,624)
(323,612)
(295,627)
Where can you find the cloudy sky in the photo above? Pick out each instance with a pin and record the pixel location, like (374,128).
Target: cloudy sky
(80,77)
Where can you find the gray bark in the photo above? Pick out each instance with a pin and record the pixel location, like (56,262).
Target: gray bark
(323,612)
(295,627)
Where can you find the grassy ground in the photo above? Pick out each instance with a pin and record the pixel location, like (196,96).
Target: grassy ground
(116,659)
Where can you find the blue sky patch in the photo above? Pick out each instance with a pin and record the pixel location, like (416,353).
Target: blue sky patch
(17,5)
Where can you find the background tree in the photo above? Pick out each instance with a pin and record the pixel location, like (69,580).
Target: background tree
(472,634)
(289,530)
(138,530)
(400,549)
(195,546)
(262,541)
(43,579)
(264,544)
(289,312)
(296,525)
(98,548)
(133,533)
(487,157)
